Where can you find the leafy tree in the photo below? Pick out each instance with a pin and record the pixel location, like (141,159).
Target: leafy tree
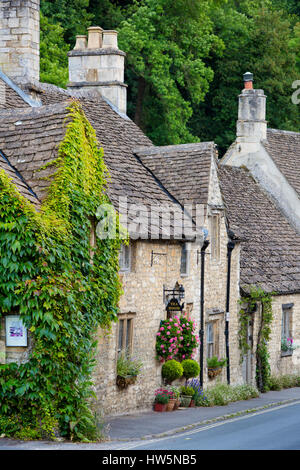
(166,43)
(255,41)
(72,15)
(53,51)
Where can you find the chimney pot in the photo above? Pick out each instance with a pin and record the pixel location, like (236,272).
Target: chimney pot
(95,37)
(248,80)
(81,42)
(110,39)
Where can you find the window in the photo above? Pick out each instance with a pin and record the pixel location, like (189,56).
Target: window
(286,326)
(212,338)
(125,332)
(215,237)
(125,258)
(185,259)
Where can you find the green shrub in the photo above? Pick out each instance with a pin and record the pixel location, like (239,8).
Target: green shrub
(214,361)
(171,370)
(275,383)
(191,368)
(186,390)
(222,394)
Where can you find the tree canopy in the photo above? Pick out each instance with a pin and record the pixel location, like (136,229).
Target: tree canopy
(186,58)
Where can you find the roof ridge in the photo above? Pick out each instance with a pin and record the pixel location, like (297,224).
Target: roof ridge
(170,148)
(282,131)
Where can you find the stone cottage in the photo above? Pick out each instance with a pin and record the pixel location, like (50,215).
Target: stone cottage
(172,199)
(168,198)
(259,182)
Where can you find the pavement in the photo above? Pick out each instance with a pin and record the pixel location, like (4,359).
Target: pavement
(151,424)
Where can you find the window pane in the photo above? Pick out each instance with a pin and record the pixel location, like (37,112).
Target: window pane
(128,334)
(183,266)
(121,330)
(124,259)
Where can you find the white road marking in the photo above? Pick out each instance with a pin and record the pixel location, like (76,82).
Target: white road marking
(205,428)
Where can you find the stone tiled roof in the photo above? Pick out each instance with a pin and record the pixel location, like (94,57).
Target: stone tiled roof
(270,254)
(284,149)
(183,169)
(9,98)
(30,139)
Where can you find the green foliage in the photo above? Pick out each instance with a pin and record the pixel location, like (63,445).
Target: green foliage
(223,394)
(61,293)
(171,370)
(53,52)
(127,366)
(214,361)
(187,390)
(191,368)
(167,43)
(278,382)
(256,297)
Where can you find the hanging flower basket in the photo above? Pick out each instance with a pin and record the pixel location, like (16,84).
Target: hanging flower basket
(214,372)
(123,382)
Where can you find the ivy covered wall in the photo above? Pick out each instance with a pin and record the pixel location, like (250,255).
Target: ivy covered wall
(62,287)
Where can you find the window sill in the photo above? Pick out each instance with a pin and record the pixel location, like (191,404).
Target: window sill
(286,353)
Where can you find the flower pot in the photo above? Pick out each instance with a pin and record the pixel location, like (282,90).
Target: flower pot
(177,404)
(213,372)
(185,400)
(171,404)
(160,407)
(192,404)
(123,382)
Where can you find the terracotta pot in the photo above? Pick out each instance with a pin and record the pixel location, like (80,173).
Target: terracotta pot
(192,404)
(214,371)
(171,404)
(177,404)
(160,407)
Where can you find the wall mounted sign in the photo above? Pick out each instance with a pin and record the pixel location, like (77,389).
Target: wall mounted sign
(174,305)
(16,332)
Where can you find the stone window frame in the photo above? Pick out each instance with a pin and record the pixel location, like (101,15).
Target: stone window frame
(212,338)
(127,322)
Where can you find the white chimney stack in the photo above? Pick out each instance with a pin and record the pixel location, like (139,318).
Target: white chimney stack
(251,124)
(96,63)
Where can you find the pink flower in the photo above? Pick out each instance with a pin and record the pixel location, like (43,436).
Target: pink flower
(168,332)
(183,356)
(178,331)
(161,328)
(181,337)
(162,346)
(158,334)
(175,324)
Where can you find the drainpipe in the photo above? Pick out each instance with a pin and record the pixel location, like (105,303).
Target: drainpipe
(230,247)
(201,332)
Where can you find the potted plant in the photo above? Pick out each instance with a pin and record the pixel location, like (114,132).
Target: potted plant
(195,384)
(174,397)
(186,395)
(171,370)
(162,397)
(127,370)
(215,365)
(191,368)
(287,346)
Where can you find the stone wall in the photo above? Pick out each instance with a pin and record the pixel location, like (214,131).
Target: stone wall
(143,296)
(19,39)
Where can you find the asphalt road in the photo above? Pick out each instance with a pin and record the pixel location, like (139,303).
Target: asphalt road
(273,429)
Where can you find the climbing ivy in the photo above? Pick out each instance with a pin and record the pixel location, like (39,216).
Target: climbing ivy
(257,296)
(62,293)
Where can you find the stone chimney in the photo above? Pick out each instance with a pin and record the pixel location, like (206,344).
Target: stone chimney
(96,63)
(251,124)
(20,39)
